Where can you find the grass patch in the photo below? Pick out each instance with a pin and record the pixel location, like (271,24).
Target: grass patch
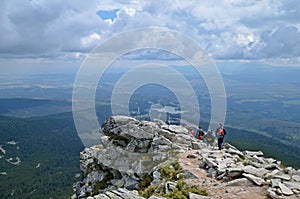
(169,171)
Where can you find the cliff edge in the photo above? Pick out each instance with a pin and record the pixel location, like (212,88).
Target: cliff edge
(142,159)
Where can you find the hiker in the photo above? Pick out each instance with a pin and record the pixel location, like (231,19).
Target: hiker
(200,133)
(209,138)
(221,132)
(192,132)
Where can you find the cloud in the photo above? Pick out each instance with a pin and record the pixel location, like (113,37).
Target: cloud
(47,27)
(227,29)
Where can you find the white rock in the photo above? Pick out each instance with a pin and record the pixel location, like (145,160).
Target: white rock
(275,182)
(285,190)
(292,185)
(260,172)
(196,196)
(253,153)
(239,182)
(256,180)
(296,178)
(273,195)
(285,177)
(233,151)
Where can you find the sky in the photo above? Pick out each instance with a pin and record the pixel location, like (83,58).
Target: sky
(49,32)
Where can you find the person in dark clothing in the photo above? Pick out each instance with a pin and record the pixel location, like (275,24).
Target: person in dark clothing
(200,133)
(221,132)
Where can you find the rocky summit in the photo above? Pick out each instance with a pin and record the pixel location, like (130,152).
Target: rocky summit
(142,159)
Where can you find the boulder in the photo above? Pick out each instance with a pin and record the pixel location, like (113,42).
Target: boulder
(175,129)
(167,134)
(235,151)
(258,181)
(239,182)
(275,183)
(296,178)
(285,177)
(259,172)
(271,194)
(253,153)
(285,190)
(212,172)
(292,185)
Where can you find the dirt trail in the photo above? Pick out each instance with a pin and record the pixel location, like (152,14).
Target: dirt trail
(214,187)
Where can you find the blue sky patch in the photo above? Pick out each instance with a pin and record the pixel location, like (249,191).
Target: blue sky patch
(107,14)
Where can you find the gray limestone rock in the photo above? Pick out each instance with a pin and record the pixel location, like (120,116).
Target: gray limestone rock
(285,190)
(175,129)
(292,185)
(271,194)
(253,153)
(296,178)
(285,177)
(197,196)
(170,186)
(192,156)
(167,134)
(210,162)
(235,151)
(132,149)
(95,176)
(259,172)
(258,181)
(156,197)
(239,182)
(275,183)
(212,172)
(187,174)
(196,145)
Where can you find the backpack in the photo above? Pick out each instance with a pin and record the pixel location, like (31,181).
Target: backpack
(221,132)
(200,134)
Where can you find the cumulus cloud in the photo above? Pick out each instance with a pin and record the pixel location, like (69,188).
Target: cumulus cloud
(47,27)
(227,29)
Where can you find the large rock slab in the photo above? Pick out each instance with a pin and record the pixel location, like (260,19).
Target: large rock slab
(258,181)
(196,196)
(285,190)
(175,129)
(239,182)
(259,172)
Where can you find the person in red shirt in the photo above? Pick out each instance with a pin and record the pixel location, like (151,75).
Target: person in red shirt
(192,132)
(221,132)
(200,133)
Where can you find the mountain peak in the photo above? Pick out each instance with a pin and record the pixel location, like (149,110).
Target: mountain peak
(165,160)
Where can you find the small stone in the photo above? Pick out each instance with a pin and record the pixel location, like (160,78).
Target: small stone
(296,191)
(273,195)
(278,190)
(233,151)
(202,164)
(210,162)
(212,173)
(187,174)
(192,156)
(196,145)
(157,197)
